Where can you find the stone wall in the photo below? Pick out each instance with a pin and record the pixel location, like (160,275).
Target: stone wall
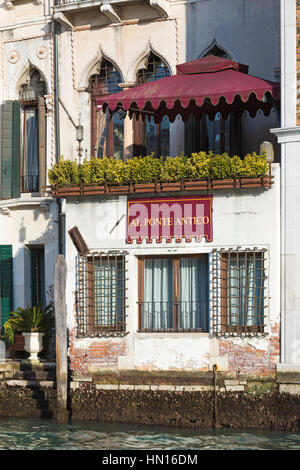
(298,59)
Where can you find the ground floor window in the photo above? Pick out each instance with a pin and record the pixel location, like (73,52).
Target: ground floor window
(101,294)
(173,293)
(239,291)
(37,265)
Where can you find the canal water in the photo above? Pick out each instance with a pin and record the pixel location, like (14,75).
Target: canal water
(25,434)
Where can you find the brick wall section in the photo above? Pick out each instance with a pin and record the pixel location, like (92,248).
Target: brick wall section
(298,59)
(101,353)
(246,359)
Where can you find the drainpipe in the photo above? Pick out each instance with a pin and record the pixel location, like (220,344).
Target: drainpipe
(57,128)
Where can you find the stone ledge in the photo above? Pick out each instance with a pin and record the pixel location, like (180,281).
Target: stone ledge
(30,383)
(288,373)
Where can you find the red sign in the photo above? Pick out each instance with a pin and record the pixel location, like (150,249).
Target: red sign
(168,218)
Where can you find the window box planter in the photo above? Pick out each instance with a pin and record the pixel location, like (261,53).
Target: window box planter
(205,184)
(174,186)
(119,189)
(93,189)
(195,185)
(67,190)
(147,187)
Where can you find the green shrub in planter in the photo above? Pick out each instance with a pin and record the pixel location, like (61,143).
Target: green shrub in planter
(64,172)
(150,169)
(34,319)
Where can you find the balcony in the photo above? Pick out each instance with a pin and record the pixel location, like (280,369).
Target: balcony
(109,10)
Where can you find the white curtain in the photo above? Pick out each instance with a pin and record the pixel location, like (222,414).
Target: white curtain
(107,292)
(245,291)
(194,293)
(30,150)
(158,293)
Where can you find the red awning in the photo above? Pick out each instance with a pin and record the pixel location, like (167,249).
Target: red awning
(202,86)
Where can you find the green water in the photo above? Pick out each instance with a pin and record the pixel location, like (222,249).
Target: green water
(21,434)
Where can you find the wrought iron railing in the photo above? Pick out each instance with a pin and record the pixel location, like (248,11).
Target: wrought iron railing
(67,2)
(30,184)
(181,316)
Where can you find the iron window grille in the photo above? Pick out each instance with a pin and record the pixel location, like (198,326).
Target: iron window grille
(239,291)
(101,294)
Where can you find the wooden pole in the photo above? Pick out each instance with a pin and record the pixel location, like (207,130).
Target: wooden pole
(60,277)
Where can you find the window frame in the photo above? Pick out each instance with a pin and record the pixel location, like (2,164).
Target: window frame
(24,105)
(86,300)
(98,87)
(221,300)
(176,294)
(139,144)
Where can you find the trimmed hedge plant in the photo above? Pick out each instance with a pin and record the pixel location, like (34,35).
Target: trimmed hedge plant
(149,169)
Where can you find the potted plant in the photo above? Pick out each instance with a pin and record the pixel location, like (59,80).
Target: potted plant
(33,323)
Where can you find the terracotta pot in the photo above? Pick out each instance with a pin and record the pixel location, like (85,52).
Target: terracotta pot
(18,345)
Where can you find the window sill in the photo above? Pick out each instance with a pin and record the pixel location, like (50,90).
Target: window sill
(24,201)
(171,334)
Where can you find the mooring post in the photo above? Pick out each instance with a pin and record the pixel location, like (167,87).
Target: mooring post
(60,277)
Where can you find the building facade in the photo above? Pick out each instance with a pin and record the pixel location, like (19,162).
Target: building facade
(28,219)
(148,305)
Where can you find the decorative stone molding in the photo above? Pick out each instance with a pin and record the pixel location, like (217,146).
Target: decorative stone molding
(161,6)
(127,85)
(49,103)
(10,3)
(110,12)
(288,134)
(42,52)
(13,57)
(62,19)
(6,211)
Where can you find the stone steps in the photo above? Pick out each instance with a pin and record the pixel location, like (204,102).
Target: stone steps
(29,389)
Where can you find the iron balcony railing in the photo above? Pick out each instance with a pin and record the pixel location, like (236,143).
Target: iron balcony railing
(67,2)
(180,316)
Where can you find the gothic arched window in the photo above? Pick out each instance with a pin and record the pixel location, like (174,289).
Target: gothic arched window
(220,134)
(148,136)
(107,130)
(33,140)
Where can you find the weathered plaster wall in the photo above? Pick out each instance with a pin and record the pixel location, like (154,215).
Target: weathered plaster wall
(23,226)
(245,219)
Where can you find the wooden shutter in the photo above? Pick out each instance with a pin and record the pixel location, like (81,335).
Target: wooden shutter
(6,282)
(10,150)
(42,142)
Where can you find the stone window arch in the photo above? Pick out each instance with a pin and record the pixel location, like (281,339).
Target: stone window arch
(218,135)
(150,137)
(32,132)
(107,130)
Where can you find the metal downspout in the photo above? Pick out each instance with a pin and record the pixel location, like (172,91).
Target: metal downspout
(57,128)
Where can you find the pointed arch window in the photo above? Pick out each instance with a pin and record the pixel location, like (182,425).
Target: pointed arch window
(220,134)
(32,106)
(107,130)
(148,136)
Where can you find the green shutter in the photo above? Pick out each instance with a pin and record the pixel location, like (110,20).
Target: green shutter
(10,150)
(6,282)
